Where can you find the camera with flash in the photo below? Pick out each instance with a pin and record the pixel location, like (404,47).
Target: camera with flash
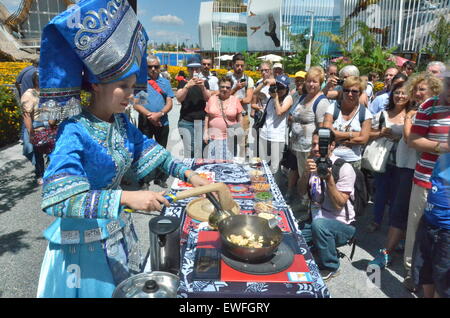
(323,162)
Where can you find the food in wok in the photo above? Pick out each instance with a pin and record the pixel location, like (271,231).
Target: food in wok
(248,240)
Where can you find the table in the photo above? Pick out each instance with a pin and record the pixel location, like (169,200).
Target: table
(233,173)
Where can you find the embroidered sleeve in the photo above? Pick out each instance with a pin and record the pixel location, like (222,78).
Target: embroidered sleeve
(149,155)
(67,191)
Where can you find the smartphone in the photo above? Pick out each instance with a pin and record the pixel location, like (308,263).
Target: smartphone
(206,264)
(242,80)
(340,82)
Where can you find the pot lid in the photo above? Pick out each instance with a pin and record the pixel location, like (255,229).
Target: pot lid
(148,285)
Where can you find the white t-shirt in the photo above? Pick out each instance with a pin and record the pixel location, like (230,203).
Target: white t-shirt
(349,154)
(274,128)
(304,122)
(405,156)
(243,91)
(263,95)
(212,81)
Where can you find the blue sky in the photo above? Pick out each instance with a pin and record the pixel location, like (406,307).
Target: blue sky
(164,20)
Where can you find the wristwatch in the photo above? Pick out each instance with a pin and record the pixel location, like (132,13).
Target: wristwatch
(162,114)
(437,148)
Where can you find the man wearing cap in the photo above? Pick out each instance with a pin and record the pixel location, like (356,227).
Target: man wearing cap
(277,69)
(153,109)
(193,96)
(212,80)
(243,87)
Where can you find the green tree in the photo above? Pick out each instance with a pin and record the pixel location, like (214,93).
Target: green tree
(300,46)
(366,52)
(440,41)
(251,60)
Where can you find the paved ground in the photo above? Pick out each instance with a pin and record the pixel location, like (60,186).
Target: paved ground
(22,246)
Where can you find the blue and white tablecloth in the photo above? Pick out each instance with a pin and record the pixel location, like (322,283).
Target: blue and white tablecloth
(231,173)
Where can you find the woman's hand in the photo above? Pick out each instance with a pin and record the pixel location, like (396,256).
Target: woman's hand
(144,200)
(205,137)
(274,95)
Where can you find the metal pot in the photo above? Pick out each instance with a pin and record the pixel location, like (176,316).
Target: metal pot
(148,285)
(240,225)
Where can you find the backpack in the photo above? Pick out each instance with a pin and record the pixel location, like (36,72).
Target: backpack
(362,112)
(361,199)
(315,104)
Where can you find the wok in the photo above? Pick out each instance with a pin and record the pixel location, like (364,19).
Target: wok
(239,225)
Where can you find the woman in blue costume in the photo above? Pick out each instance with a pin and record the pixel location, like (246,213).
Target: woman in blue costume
(92,243)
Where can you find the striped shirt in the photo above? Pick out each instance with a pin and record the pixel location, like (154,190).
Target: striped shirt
(432,122)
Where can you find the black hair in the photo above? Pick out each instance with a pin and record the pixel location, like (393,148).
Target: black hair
(410,64)
(238,57)
(399,76)
(391,104)
(372,75)
(35,79)
(226,79)
(181,73)
(332,135)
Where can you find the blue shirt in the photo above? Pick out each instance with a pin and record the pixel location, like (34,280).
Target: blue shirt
(379,103)
(437,210)
(155,101)
(25,79)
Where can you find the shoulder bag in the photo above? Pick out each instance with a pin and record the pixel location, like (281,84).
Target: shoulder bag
(376,154)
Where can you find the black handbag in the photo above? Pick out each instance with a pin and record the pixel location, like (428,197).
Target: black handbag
(260,117)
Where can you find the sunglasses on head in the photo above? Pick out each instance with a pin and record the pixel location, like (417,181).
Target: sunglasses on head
(353,91)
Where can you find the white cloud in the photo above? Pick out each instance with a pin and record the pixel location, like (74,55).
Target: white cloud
(168,19)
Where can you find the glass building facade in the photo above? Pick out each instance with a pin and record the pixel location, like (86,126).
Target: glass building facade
(296,16)
(33,15)
(405,24)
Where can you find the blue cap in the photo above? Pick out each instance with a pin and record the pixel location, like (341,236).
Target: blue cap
(98,41)
(283,80)
(194,61)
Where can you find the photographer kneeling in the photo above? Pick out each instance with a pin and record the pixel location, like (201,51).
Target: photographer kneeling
(331,190)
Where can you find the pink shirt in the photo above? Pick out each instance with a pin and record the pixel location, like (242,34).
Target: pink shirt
(346,183)
(217,126)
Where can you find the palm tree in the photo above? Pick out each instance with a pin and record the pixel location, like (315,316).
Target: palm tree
(362,49)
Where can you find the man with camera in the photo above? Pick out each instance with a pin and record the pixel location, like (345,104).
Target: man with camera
(331,187)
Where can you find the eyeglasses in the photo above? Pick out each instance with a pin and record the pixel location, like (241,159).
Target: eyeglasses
(265,70)
(206,64)
(156,67)
(225,87)
(397,93)
(353,91)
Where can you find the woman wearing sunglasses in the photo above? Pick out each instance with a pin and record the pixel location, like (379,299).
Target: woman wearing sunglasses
(223,121)
(350,121)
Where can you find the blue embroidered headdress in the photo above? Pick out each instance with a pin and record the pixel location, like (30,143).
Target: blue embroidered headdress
(99,41)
